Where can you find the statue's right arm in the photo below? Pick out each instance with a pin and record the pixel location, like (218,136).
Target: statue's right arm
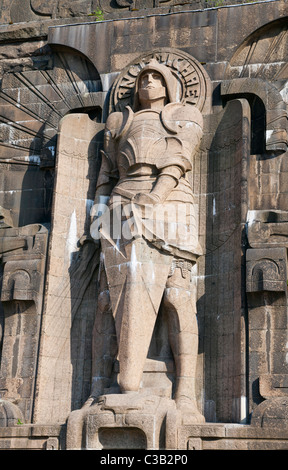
(108,174)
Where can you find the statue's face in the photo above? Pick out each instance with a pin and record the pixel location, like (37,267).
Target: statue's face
(151,87)
(151,80)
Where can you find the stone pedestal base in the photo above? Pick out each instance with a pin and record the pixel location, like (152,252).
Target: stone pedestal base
(126,421)
(120,421)
(149,422)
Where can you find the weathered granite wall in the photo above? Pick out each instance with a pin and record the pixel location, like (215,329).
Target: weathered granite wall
(57,60)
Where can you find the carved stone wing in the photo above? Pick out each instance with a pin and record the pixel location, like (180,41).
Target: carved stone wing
(69,314)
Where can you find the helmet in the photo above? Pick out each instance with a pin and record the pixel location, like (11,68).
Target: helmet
(164,71)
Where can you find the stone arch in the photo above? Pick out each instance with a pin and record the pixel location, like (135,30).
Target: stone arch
(19,283)
(263,54)
(33,102)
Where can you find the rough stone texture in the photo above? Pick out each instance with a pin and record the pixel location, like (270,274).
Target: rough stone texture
(240,186)
(37,10)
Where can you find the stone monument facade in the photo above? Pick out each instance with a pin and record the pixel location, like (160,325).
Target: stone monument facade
(143,224)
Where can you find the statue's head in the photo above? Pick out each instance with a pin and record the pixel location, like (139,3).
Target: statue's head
(154,82)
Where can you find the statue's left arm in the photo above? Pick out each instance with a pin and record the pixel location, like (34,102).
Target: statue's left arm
(167,180)
(182,142)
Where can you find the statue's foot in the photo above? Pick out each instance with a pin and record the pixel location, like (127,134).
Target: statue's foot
(189,410)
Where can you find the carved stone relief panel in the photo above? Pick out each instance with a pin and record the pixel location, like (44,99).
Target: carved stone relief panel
(266,270)
(23,253)
(32,10)
(193,84)
(134,5)
(32,103)
(266,285)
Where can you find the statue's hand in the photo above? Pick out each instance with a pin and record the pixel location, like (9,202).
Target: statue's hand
(145,199)
(86,239)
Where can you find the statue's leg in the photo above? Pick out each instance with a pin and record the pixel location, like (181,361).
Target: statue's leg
(179,302)
(104,347)
(134,327)
(136,284)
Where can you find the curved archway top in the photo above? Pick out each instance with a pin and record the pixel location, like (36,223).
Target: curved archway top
(259,67)
(93,43)
(263,54)
(35,101)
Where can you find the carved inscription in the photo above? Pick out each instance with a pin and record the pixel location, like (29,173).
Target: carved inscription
(191,84)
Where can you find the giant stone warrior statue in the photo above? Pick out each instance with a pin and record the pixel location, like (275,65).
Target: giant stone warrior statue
(148,236)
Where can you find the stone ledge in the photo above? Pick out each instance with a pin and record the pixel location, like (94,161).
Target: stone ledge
(31,437)
(208,436)
(227,430)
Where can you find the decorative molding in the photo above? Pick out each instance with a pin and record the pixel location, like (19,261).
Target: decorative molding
(266,270)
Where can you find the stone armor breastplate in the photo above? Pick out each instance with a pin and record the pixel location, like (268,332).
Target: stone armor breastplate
(143,141)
